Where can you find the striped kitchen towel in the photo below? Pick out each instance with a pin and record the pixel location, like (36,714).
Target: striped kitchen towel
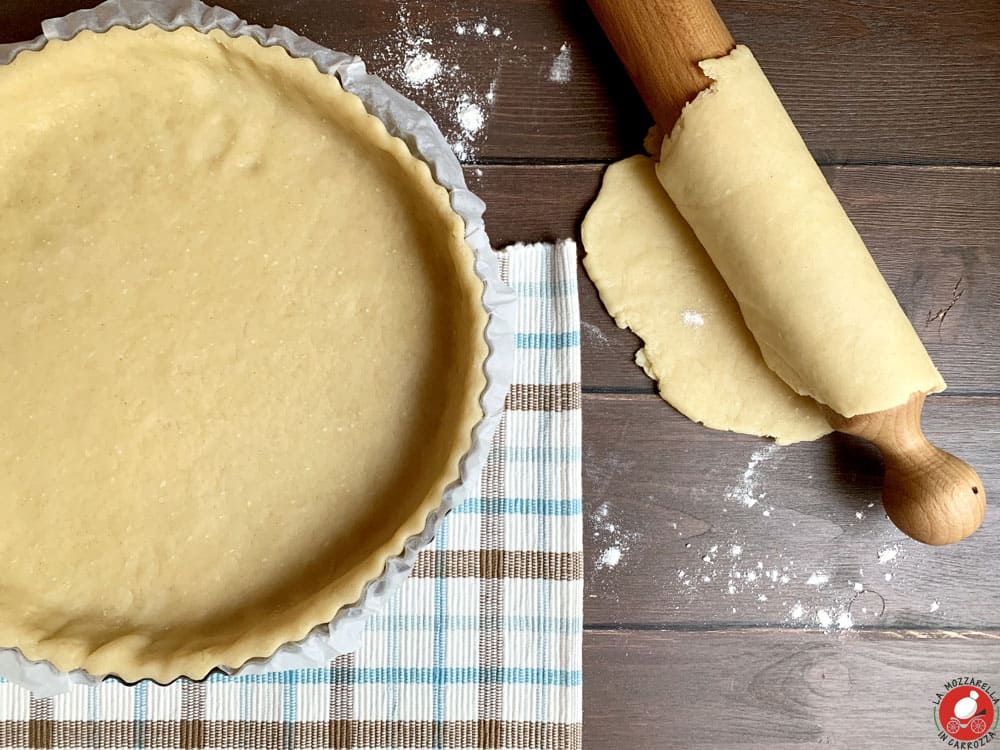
(481,648)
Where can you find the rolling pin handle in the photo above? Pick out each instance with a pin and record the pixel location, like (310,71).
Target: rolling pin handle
(660,42)
(931,495)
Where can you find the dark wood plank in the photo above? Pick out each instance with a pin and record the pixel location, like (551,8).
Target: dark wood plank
(930,229)
(860,77)
(773,690)
(535,203)
(662,494)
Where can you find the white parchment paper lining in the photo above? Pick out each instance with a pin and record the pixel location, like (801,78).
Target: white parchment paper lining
(405,120)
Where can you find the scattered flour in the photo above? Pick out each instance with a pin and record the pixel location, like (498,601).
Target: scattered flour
(887,555)
(421,69)
(470,117)
(745,491)
(562,67)
(613,541)
(772,584)
(610,557)
(759,577)
(764,583)
(693,319)
(593,332)
(432,69)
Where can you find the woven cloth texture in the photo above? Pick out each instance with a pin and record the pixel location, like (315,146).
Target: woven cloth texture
(481,648)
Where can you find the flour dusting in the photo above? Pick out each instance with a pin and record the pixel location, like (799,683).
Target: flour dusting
(593,332)
(736,565)
(610,557)
(818,579)
(693,319)
(613,541)
(562,67)
(887,555)
(746,490)
(470,116)
(428,64)
(421,69)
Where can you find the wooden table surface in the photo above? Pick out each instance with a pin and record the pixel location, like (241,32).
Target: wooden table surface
(701,545)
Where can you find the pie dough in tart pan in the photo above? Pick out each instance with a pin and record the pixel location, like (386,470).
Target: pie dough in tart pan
(253,346)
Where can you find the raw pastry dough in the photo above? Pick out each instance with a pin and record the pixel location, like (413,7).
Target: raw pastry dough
(241,350)
(655,278)
(825,320)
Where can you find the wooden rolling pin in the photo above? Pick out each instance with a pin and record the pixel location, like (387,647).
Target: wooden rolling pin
(929,494)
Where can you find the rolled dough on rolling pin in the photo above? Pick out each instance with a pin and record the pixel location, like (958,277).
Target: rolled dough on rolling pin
(824,319)
(655,278)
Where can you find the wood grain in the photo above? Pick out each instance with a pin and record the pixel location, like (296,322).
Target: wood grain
(859,77)
(773,690)
(664,483)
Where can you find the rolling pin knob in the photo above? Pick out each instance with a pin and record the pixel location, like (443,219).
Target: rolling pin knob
(931,495)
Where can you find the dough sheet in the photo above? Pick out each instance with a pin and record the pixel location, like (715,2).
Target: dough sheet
(655,278)
(826,321)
